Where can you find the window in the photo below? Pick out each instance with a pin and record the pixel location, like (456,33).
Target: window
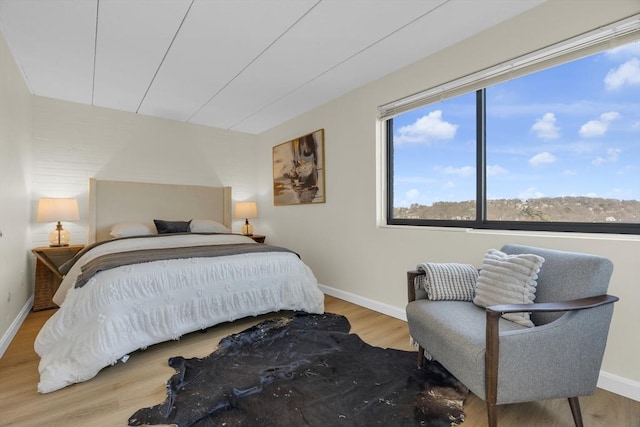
(557,148)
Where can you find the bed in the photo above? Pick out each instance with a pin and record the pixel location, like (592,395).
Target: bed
(132,287)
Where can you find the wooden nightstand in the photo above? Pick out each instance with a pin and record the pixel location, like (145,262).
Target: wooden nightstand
(48,277)
(258,238)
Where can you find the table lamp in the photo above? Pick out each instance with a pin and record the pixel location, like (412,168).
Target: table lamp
(246,210)
(57,210)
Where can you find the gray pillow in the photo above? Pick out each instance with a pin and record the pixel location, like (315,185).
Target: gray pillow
(508,279)
(449,281)
(166,227)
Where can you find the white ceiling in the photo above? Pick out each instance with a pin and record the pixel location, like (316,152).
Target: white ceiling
(245,65)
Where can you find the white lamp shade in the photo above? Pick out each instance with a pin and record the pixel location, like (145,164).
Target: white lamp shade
(246,210)
(52,210)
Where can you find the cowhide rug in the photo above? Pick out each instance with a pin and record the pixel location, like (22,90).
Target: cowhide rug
(306,370)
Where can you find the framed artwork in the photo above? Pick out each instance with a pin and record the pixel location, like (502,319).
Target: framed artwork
(298,170)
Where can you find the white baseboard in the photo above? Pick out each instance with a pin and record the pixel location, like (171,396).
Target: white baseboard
(15,326)
(610,382)
(387,309)
(619,385)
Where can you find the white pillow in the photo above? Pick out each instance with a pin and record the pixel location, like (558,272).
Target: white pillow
(129,229)
(508,279)
(208,226)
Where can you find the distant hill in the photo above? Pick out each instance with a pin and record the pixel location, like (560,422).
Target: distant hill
(547,209)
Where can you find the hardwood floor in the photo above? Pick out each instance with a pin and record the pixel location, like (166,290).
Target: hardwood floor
(118,391)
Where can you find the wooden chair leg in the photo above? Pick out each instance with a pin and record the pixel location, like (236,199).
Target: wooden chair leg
(574,403)
(491,364)
(420,356)
(492,415)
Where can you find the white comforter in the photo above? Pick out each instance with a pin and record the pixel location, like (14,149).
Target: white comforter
(131,307)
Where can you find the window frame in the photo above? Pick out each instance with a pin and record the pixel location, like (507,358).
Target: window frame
(556,55)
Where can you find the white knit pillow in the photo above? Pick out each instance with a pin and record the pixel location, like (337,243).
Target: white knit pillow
(508,279)
(449,281)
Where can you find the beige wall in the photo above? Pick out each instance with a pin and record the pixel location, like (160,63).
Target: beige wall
(73,142)
(51,148)
(15,144)
(361,260)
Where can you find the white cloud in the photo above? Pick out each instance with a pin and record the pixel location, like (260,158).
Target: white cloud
(410,197)
(593,128)
(609,116)
(449,184)
(598,127)
(569,172)
(542,159)
(626,74)
(425,129)
(464,171)
(530,193)
(545,127)
(496,170)
(625,51)
(413,180)
(412,194)
(613,154)
(581,147)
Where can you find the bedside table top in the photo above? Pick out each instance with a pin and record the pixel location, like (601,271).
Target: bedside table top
(57,248)
(54,256)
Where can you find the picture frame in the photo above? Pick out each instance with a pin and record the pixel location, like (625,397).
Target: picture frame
(299,170)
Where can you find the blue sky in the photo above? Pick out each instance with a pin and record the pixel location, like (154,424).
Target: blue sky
(573,130)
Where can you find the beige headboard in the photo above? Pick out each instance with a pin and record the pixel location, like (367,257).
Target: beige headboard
(111,202)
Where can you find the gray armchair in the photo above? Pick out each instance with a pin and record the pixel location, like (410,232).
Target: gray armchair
(503,362)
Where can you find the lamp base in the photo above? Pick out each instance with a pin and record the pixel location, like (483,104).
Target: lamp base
(247,228)
(59,237)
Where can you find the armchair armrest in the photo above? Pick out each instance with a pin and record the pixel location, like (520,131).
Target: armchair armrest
(411,278)
(492,333)
(571,305)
